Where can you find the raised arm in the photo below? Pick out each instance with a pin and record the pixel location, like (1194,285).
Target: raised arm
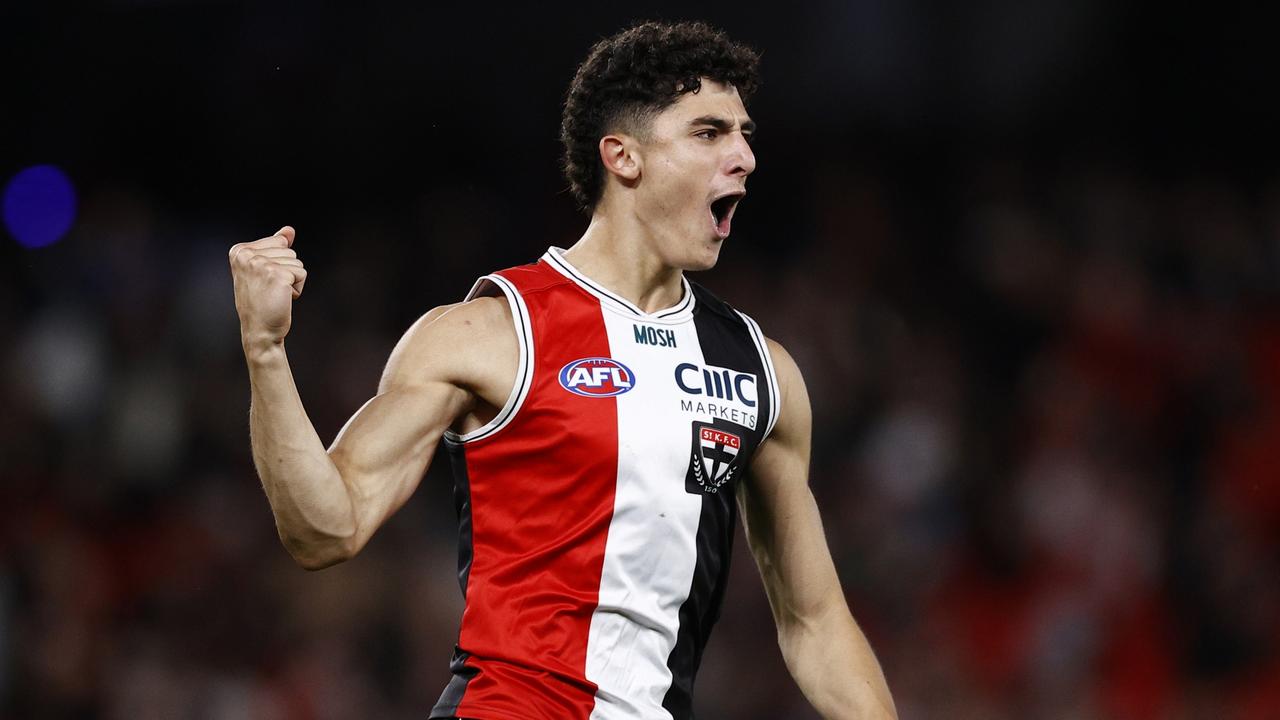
(823,647)
(328,503)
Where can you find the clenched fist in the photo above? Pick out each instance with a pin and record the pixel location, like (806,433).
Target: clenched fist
(267,275)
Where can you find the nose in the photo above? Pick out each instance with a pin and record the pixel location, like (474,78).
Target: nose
(742,161)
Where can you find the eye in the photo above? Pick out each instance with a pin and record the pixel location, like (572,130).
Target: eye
(708,134)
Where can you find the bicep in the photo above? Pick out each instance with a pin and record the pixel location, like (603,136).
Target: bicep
(385,448)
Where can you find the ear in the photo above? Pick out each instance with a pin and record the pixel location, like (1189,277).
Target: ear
(621,157)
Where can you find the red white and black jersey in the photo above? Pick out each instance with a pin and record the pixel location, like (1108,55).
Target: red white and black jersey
(597,509)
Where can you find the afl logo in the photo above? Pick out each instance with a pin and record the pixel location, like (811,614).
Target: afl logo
(597,377)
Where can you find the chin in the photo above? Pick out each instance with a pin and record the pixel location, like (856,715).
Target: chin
(706,258)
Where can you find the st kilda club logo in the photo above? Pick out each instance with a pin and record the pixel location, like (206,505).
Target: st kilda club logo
(597,377)
(716,458)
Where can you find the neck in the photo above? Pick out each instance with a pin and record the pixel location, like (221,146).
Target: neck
(620,256)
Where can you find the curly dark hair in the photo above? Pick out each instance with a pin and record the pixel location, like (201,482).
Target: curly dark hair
(628,78)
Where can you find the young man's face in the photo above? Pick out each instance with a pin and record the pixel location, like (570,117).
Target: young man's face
(695,161)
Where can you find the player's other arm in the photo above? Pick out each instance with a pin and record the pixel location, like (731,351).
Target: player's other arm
(823,647)
(328,503)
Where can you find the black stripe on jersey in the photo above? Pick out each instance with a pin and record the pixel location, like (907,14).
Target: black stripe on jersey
(726,341)
(447,705)
(451,698)
(462,504)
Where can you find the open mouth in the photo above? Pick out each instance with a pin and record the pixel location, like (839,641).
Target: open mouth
(722,212)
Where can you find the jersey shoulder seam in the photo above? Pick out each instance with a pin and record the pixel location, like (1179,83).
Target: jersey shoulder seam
(533,271)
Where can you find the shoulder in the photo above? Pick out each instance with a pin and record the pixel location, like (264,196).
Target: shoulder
(784,365)
(479,320)
(458,343)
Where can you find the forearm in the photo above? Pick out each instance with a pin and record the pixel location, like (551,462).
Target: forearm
(823,647)
(834,665)
(312,506)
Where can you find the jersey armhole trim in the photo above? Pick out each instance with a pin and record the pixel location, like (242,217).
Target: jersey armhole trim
(762,347)
(524,371)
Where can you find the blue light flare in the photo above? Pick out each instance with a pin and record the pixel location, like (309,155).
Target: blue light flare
(39,206)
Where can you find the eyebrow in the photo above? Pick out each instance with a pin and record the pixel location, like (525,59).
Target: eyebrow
(721,124)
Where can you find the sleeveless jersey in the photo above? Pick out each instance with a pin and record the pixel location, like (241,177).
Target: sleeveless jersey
(597,508)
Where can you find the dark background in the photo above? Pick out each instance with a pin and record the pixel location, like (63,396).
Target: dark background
(1026,254)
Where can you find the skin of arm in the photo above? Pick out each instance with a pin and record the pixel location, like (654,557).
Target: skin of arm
(823,647)
(453,362)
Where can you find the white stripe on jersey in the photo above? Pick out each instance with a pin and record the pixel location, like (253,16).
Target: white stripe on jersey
(651,551)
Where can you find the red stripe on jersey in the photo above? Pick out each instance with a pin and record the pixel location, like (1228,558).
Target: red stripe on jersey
(540,512)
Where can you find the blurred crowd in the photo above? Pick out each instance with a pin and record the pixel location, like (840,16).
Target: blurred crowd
(1046,450)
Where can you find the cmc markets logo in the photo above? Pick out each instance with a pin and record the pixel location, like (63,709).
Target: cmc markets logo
(597,377)
(717,382)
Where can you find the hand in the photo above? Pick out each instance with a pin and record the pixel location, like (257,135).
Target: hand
(267,276)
